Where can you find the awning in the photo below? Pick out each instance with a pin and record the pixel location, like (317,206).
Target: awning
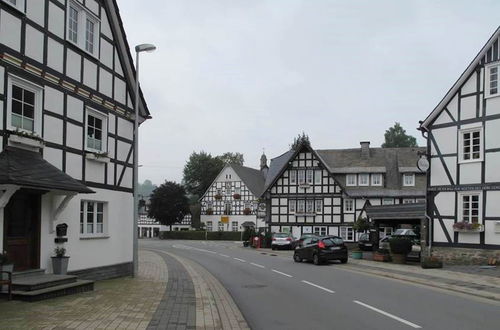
(248,224)
(397,212)
(28,169)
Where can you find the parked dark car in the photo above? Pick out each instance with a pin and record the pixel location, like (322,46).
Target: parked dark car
(364,242)
(321,249)
(300,241)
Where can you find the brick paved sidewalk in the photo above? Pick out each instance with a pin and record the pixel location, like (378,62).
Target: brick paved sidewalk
(169,293)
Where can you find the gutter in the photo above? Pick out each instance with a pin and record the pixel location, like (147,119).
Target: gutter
(424,130)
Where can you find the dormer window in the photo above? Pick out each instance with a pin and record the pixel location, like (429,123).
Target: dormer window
(351,180)
(364,179)
(376,179)
(82,28)
(409,179)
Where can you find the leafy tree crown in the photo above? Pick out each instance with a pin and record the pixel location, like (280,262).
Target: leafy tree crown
(396,137)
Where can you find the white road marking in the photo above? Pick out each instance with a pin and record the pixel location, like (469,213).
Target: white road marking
(223,255)
(281,273)
(318,286)
(239,259)
(257,265)
(413,325)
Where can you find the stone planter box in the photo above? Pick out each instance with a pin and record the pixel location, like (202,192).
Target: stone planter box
(357,255)
(97,158)
(26,141)
(398,258)
(381,257)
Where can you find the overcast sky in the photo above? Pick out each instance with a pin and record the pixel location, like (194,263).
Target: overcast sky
(251,74)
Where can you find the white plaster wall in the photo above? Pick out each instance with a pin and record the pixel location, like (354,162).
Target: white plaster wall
(443,118)
(73,65)
(10,30)
(53,156)
(74,136)
(120,90)
(492,203)
(35,10)
(227,227)
(74,165)
(492,106)
(88,253)
(470,238)
(53,100)
(55,55)
(453,107)
(438,174)
(492,160)
(490,236)
(74,108)
(439,235)
(93,6)
(470,173)
(125,128)
(127,178)
(105,82)
(94,171)
(56,20)
(468,108)
(123,149)
(34,44)
(52,129)
(90,74)
(118,66)
(446,140)
(105,27)
(445,203)
(470,85)
(106,53)
(492,134)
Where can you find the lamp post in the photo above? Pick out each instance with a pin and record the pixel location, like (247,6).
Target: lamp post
(138,49)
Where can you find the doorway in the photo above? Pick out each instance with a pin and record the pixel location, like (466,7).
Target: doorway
(22,229)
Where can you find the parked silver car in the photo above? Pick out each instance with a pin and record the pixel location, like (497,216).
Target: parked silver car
(282,240)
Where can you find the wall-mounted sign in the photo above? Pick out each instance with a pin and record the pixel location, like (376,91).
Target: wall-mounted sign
(261,211)
(224,219)
(423,163)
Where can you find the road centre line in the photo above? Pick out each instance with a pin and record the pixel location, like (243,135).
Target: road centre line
(224,255)
(318,286)
(413,325)
(257,265)
(281,273)
(239,259)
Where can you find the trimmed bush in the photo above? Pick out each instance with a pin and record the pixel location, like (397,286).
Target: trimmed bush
(200,235)
(400,245)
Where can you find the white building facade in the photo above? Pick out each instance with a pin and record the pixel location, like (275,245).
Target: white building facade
(463,145)
(66,87)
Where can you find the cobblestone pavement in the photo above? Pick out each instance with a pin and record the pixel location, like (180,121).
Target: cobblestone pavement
(124,303)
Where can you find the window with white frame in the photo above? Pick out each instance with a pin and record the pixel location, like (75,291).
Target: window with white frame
(408,200)
(234,226)
(470,207)
(24,106)
(18,4)
(301,206)
(82,28)
(221,226)
(347,233)
(351,180)
(92,218)
(408,179)
(420,200)
(309,176)
(376,179)
(319,206)
(96,131)
(364,179)
(209,226)
(293,177)
(320,231)
(388,201)
(302,176)
(317,176)
(492,80)
(471,145)
(209,205)
(237,191)
(292,205)
(227,208)
(309,206)
(219,192)
(348,205)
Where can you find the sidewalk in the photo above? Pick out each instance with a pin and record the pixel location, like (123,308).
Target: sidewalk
(470,280)
(168,293)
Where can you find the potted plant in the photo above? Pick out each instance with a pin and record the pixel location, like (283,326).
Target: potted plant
(382,255)
(5,266)
(400,247)
(467,227)
(237,196)
(247,211)
(209,211)
(431,262)
(361,225)
(357,253)
(218,196)
(60,261)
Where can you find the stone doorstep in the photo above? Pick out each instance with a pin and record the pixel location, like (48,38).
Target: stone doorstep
(37,282)
(54,291)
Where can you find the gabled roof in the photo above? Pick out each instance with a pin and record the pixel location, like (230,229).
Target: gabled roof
(461,80)
(251,177)
(28,169)
(125,55)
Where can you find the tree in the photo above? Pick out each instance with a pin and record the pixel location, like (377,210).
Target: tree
(200,171)
(146,188)
(168,203)
(396,137)
(232,158)
(301,139)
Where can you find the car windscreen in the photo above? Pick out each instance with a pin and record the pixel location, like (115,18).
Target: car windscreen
(280,235)
(332,241)
(363,237)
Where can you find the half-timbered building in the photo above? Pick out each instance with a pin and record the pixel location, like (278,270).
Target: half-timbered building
(326,191)
(463,146)
(66,134)
(232,199)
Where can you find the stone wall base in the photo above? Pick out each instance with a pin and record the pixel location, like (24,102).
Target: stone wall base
(464,256)
(105,272)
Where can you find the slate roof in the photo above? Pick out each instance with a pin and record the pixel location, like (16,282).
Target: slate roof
(396,212)
(28,169)
(277,164)
(254,179)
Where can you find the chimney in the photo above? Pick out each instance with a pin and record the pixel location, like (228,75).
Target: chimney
(365,149)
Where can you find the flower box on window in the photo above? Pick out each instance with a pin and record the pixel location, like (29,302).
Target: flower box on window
(237,196)
(467,227)
(26,139)
(209,211)
(102,158)
(218,196)
(304,185)
(247,211)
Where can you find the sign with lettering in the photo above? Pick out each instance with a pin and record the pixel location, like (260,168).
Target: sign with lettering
(224,219)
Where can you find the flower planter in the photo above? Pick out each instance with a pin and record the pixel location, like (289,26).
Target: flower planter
(357,255)
(466,227)
(98,158)
(381,257)
(398,258)
(3,276)
(237,196)
(431,262)
(60,265)
(26,141)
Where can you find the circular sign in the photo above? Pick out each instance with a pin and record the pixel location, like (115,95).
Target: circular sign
(423,163)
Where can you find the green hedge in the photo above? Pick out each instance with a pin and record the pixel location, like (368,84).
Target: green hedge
(200,235)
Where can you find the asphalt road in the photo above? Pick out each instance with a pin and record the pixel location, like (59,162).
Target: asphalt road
(274,292)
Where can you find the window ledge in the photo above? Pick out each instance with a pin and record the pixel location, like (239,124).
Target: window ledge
(97,157)
(303,214)
(27,141)
(85,237)
(304,185)
(470,161)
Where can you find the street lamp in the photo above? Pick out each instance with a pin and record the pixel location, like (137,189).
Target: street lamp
(138,49)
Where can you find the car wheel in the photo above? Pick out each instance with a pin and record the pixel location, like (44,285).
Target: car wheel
(297,258)
(316,260)
(343,260)
(273,247)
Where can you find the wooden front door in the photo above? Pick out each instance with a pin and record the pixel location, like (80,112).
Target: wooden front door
(22,230)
